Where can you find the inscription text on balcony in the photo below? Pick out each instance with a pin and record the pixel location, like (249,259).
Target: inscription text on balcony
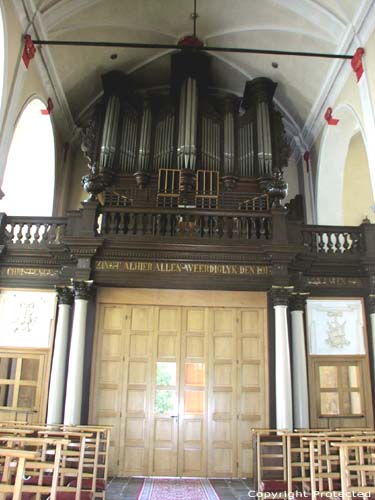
(182,267)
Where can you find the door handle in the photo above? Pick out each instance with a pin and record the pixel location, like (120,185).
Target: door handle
(173,416)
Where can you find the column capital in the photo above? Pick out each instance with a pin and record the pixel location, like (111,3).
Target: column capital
(298,301)
(280,295)
(370,299)
(65,295)
(82,289)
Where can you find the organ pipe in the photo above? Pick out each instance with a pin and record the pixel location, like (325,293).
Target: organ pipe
(229,151)
(187,129)
(128,143)
(109,135)
(145,139)
(258,100)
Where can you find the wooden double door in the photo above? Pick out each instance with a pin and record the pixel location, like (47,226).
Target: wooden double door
(182,387)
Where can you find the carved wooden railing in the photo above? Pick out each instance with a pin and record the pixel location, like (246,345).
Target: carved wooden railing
(333,239)
(209,224)
(19,230)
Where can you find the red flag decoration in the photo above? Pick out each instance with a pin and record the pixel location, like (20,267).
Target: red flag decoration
(49,109)
(329,119)
(306,157)
(28,50)
(356,62)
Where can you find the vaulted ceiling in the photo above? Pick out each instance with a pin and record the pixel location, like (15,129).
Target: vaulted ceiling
(307,25)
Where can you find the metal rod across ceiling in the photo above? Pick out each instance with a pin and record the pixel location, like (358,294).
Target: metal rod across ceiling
(130,45)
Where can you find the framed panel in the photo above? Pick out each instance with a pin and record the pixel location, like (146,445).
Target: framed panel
(335,327)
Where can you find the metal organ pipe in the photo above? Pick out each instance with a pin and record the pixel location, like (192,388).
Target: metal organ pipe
(228,143)
(264,139)
(145,139)
(109,135)
(128,143)
(187,132)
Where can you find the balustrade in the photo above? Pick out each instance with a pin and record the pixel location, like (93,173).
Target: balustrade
(332,239)
(180,224)
(33,230)
(131,222)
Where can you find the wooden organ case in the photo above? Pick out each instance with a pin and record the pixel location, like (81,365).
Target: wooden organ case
(191,146)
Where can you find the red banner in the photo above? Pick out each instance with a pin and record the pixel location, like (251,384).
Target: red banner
(329,118)
(357,62)
(28,50)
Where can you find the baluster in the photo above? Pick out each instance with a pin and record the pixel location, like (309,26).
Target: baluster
(223,228)
(244,235)
(142,224)
(120,223)
(132,223)
(252,232)
(157,224)
(321,245)
(338,244)
(36,234)
(346,245)
(206,226)
(216,227)
(19,235)
(149,224)
(168,225)
(139,224)
(329,245)
(267,223)
(52,234)
(236,227)
(10,233)
(27,236)
(256,227)
(45,233)
(113,223)
(262,228)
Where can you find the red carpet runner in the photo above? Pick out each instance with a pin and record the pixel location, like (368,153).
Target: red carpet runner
(177,489)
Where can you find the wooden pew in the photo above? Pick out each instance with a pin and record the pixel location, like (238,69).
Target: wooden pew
(14,461)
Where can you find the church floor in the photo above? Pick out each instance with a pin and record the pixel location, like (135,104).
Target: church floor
(126,488)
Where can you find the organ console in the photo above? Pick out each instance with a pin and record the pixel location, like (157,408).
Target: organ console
(175,148)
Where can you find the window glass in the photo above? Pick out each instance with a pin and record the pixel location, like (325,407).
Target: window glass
(29,176)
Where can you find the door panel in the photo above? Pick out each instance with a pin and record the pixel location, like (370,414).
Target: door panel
(136,424)
(109,375)
(222,416)
(252,383)
(165,382)
(193,393)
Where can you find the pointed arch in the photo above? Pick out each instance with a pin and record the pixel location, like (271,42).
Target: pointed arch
(331,165)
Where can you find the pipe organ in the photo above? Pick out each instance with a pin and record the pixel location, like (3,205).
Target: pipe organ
(191,128)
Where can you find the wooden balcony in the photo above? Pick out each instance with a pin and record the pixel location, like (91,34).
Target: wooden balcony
(97,239)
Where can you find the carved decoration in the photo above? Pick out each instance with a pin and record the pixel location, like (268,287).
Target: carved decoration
(65,295)
(298,301)
(88,141)
(371,303)
(82,289)
(280,295)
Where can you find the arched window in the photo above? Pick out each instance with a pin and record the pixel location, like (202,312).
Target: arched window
(29,176)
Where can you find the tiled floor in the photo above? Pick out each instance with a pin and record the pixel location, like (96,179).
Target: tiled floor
(123,488)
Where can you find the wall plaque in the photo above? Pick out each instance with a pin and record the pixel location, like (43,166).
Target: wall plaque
(335,327)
